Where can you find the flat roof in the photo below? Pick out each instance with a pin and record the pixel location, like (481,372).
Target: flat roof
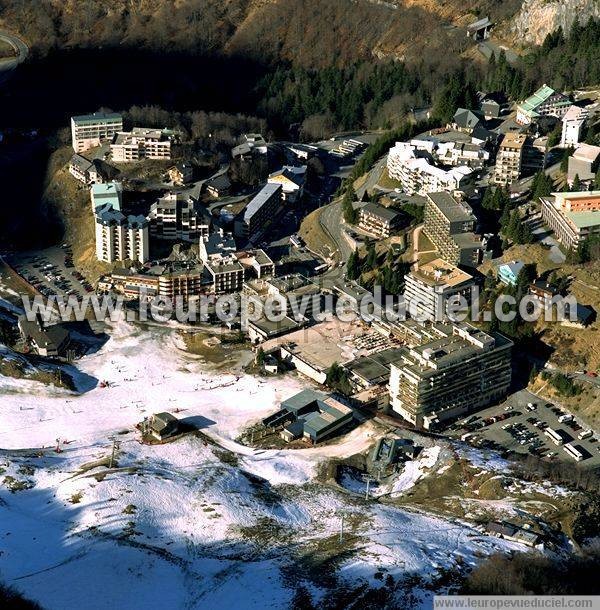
(95,117)
(538,98)
(440,272)
(450,208)
(584,220)
(267,191)
(587,152)
(513,140)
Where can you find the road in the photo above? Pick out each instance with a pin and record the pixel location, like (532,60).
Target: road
(332,223)
(9,64)
(487,47)
(373,177)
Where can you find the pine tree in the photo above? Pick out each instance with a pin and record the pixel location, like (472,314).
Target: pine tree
(353,266)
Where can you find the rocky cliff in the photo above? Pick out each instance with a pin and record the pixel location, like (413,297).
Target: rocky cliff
(537,18)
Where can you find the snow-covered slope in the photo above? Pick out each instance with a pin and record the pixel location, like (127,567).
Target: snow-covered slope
(198,523)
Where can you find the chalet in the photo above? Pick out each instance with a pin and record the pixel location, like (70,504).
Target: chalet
(509,272)
(162,425)
(95,171)
(465,120)
(181,172)
(542,291)
(218,186)
(492,105)
(582,316)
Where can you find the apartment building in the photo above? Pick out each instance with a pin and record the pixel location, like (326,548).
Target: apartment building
(260,211)
(572,216)
(170,282)
(120,237)
(110,194)
(462,153)
(95,171)
(509,160)
(544,102)
(217,244)
(256,263)
(414,169)
(448,377)
(585,163)
(572,126)
(226,273)
(181,173)
(179,217)
(429,288)
(449,224)
(141,143)
(91,130)
(378,220)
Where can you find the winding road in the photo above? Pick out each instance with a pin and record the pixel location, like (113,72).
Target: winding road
(8,64)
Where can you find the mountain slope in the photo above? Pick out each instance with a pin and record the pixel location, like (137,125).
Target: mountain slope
(310,32)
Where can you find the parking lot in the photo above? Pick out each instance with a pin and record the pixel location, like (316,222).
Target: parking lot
(519,425)
(51,271)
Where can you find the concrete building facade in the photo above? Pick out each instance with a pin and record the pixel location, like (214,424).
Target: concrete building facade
(91,130)
(429,288)
(120,237)
(448,377)
(450,225)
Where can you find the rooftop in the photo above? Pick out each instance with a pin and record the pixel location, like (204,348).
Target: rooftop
(513,140)
(267,191)
(537,99)
(587,152)
(440,272)
(450,208)
(386,214)
(96,117)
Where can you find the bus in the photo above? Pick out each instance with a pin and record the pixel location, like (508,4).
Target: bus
(573,452)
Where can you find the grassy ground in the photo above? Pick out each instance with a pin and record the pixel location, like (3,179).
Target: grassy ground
(585,405)
(386,182)
(574,348)
(461,491)
(315,237)
(71,200)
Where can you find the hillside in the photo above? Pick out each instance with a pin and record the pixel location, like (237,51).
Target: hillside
(307,32)
(538,18)
(212,517)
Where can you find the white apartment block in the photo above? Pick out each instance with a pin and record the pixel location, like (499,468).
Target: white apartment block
(91,130)
(120,237)
(140,143)
(419,176)
(429,289)
(572,125)
(462,153)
